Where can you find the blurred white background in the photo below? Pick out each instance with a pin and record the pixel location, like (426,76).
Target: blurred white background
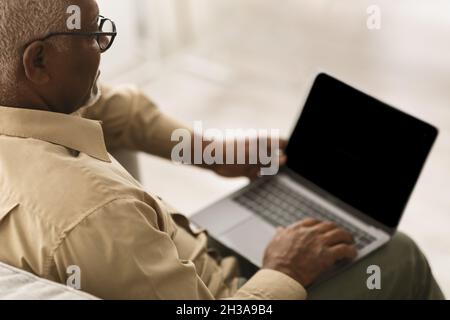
(248,63)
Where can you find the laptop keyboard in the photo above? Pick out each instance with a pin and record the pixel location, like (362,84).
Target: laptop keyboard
(281,206)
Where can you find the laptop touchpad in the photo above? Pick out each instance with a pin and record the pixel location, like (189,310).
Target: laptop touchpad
(221,217)
(250,239)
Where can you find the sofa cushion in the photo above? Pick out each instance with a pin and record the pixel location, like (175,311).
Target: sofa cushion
(16,284)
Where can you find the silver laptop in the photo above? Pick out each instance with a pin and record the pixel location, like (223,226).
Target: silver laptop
(352,160)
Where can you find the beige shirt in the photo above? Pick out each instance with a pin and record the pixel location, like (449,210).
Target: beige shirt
(65,201)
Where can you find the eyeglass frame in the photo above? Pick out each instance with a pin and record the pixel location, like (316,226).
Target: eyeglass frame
(97,34)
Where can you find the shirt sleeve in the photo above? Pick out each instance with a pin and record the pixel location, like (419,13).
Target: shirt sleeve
(269,284)
(132,121)
(122,252)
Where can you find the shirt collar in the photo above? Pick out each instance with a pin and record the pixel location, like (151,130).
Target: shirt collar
(70,131)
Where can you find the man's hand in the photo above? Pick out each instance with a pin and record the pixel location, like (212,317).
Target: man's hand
(307,249)
(248,170)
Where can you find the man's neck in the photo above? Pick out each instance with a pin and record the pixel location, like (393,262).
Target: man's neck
(26,100)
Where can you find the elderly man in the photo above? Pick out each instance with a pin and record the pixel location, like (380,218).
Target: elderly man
(65,201)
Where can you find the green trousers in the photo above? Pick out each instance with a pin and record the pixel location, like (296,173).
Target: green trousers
(404,274)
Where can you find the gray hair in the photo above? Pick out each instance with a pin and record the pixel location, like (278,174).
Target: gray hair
(22,21)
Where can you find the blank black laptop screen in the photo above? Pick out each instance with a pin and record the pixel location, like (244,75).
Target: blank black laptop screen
(358,149)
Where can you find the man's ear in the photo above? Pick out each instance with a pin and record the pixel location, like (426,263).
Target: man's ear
(35,60)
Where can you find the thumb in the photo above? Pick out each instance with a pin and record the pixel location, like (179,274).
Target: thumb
(283,160)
